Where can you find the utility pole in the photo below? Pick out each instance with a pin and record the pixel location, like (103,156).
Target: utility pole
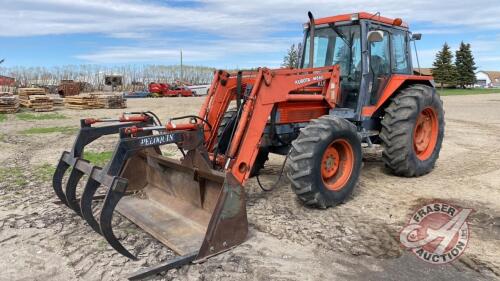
(182,70)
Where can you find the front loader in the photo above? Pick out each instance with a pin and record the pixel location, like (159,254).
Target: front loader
(354,86)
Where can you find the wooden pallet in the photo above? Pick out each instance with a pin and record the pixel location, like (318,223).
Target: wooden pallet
(30,91)
(83,102)
(57,100)
(38,103)
(9,110)
(112,101)
(8,103)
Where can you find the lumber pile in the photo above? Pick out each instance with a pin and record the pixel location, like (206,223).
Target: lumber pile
(25,93)
(57,100)
(36,99)
(40,103)
(8,103)
(112,101)
(83,102)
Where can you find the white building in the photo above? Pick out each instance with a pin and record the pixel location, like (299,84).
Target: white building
(488,79)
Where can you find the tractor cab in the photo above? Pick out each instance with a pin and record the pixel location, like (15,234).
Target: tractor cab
(368,48)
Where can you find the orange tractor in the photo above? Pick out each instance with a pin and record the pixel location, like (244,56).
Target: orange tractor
(354,85)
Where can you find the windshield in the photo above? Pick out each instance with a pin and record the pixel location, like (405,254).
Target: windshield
(336,45)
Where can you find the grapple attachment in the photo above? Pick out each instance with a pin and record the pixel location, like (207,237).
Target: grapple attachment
(185,204)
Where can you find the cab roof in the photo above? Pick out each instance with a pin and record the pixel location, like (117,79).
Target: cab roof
(360,15)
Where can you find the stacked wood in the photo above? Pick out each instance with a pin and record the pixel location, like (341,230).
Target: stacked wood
(112,101)
(8,103)
(36,99)
(40,103)
(57,100)
(83,102)
(25,93)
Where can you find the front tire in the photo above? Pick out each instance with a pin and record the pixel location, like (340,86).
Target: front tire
(325,162)
(412,131)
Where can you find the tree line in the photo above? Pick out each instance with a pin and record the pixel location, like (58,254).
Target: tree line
(133,75)
(460,72)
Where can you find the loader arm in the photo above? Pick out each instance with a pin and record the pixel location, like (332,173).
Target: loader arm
(262,91)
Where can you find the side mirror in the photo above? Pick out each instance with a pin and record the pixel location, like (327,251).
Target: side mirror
(416,36)
(375,36)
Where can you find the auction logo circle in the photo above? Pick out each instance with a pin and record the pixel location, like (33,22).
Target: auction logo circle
(437,233)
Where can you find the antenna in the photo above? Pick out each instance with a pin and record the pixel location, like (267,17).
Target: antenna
(414,38)
(416,55)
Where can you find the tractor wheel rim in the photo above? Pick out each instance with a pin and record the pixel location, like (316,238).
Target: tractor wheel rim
(425,133)
(337,164)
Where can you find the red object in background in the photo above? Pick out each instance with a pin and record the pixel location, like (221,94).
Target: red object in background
(168,90)
(7,81)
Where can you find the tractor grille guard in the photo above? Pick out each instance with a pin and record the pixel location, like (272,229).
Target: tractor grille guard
(219,198)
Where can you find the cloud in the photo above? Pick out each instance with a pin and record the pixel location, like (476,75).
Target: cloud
(46,17)
(223,17)
(212,52)
(233,28)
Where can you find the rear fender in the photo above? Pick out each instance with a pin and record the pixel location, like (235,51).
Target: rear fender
(395,83)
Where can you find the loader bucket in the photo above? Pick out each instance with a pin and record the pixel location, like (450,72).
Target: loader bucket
(189,207)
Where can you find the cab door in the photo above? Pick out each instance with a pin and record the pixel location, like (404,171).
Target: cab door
(387,57)
(379,63)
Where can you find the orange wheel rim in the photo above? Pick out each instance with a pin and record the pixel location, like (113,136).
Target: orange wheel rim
(337,164)
(425,133)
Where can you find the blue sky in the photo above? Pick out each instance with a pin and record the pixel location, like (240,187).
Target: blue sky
(218,33)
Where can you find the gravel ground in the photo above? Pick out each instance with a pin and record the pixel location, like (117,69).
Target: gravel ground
(41,240)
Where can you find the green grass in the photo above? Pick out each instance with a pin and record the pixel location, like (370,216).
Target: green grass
(48,130)
(98,158)
(3,117)
(45,172)
(461,92)
(13,175)
(26,116)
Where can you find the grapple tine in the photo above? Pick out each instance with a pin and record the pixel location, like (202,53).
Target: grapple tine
(86,204)
(115,193)
(71,185)
(62,167)
(86,135)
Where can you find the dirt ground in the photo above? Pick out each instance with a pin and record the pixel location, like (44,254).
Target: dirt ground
(41,240)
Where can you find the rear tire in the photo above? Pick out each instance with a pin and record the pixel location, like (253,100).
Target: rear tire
(412,131)
(325,162)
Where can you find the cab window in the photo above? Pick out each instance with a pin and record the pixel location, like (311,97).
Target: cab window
(400,52)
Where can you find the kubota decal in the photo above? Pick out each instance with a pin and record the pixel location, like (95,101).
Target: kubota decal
(306,80)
